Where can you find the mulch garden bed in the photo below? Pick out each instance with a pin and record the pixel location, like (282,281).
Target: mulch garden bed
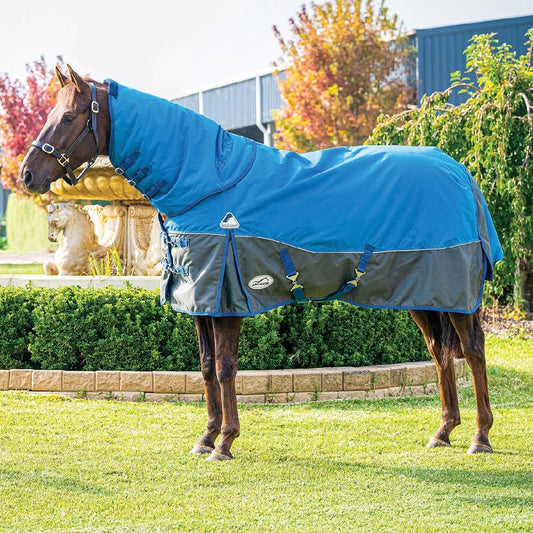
(507,322)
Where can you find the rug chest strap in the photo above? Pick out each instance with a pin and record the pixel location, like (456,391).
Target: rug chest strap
(167,261)
(297,289)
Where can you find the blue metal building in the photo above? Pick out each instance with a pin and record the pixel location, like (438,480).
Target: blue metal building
(245,107)
(440,51)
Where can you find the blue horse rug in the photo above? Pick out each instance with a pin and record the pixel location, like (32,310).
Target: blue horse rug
(248,227)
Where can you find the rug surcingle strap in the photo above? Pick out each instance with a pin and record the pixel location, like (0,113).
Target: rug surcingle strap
(297,289)
(292,275)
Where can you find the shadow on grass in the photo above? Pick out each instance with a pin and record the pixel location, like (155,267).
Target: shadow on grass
(46,481)
(457,482)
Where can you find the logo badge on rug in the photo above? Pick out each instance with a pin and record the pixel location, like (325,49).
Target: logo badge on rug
(229,222)
(261,282)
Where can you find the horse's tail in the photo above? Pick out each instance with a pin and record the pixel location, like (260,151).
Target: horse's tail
(441,337)
(451,345)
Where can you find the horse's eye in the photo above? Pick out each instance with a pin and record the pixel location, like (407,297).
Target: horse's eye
(67,119)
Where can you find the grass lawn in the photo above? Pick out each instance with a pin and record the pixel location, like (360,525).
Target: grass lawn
(78,465)
(31,268)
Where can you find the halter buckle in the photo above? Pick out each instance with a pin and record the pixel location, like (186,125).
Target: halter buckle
(48,148)
(95,107)
(63,160)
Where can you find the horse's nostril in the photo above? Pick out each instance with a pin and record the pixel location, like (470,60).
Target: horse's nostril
(28,177)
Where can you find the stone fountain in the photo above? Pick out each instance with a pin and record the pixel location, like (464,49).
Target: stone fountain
(128,224)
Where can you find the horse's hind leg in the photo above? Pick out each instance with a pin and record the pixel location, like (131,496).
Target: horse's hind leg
(226,332)
(206,343)
(439,336)
(468,328)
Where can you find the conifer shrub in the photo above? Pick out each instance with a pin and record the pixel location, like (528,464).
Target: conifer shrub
(70,328)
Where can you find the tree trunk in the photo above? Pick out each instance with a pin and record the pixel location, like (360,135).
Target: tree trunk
(525,299)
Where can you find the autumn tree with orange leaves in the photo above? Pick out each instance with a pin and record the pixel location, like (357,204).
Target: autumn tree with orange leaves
(346,63)
(24,106)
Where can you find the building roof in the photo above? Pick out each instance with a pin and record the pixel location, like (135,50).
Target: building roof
(440,51)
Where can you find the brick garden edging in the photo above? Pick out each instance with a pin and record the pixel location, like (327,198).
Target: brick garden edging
(261,386)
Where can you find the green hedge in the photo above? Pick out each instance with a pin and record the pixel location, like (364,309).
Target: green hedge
(70,328)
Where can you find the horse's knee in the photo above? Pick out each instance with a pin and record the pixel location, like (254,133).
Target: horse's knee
(226,371)
(208,369)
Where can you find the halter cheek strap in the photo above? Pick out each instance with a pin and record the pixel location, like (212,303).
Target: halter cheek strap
(64,158)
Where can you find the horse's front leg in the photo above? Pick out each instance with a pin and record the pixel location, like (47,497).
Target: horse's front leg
(226,337)
(206,343)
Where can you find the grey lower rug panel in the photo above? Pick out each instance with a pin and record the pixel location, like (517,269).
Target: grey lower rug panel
(228,275)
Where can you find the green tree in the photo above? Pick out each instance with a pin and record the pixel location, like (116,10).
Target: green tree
(492,134)
(345,64)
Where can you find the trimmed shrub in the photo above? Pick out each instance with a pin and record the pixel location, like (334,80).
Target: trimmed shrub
(70,328)
(339,334)
(16,321)
(261,344)
(110,329)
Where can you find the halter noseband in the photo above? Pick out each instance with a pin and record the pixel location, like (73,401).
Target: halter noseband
(64,158)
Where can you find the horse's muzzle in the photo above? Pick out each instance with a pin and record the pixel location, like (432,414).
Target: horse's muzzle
(32,183)
(27,178)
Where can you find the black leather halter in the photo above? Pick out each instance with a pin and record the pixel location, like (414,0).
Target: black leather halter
(64,158)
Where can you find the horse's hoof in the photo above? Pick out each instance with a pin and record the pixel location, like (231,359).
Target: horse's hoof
(216,456)
(436,443)
(479,448)
(202,449)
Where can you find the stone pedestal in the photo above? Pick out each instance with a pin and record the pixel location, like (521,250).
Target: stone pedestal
(129,224)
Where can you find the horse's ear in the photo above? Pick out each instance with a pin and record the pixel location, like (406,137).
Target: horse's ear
(76,79)
(63,80)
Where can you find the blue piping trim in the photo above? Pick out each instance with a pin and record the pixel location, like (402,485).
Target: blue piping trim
(112,91)
(252,313)
(112,88)
(239,273)
(488,273)
(366,306)
(222,272)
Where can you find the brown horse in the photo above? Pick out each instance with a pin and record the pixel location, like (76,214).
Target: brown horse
(79,127)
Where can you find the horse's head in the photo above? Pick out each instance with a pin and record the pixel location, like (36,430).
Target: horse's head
(76,131)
